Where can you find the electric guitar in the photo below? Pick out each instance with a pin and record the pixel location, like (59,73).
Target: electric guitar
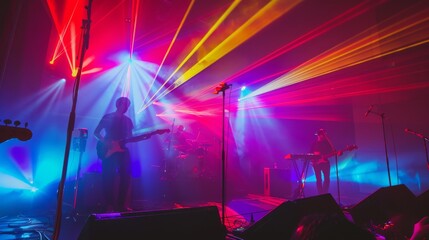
(8,132)
(106,149)
(323,158)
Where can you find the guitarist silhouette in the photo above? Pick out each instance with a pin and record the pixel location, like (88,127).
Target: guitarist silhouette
(115,126)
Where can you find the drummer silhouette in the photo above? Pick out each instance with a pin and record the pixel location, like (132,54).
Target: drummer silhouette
(179,140)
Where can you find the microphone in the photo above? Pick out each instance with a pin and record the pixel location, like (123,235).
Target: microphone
(222,87)
(369,110)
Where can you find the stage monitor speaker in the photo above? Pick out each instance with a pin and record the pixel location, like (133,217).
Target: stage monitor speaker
(281,222)
(183,223)
(383,204)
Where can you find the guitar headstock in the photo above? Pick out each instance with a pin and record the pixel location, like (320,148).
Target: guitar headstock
(8,132)
(351,147)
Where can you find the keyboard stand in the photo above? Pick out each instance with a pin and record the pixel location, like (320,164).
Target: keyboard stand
(301,174)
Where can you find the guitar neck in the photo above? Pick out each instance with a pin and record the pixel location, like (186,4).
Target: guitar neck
(144,136)
(348,148)
(136,138)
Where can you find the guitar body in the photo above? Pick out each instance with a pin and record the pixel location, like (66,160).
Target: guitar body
(320,160)
(105,150)
(101,150)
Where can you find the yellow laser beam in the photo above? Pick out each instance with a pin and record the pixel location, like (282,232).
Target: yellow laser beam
(398,36)
(170,46)
(198,46)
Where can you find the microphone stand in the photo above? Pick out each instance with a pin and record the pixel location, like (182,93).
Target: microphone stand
(424,138)
(71,122)
(166,176)
(382,116)
(222,88)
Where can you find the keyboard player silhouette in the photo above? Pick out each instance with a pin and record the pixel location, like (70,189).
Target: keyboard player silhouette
(321,150)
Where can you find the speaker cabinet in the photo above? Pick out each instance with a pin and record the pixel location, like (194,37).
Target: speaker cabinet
(281,222)
(383,204)
(184,223)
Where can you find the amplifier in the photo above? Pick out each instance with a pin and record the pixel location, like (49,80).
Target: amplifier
(278,182)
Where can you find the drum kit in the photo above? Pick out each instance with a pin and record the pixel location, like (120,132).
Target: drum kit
(188,158)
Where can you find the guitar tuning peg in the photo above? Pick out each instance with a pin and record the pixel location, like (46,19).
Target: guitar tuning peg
(16,123)
(7,121)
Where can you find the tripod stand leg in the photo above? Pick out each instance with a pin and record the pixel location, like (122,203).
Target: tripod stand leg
(301,175)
